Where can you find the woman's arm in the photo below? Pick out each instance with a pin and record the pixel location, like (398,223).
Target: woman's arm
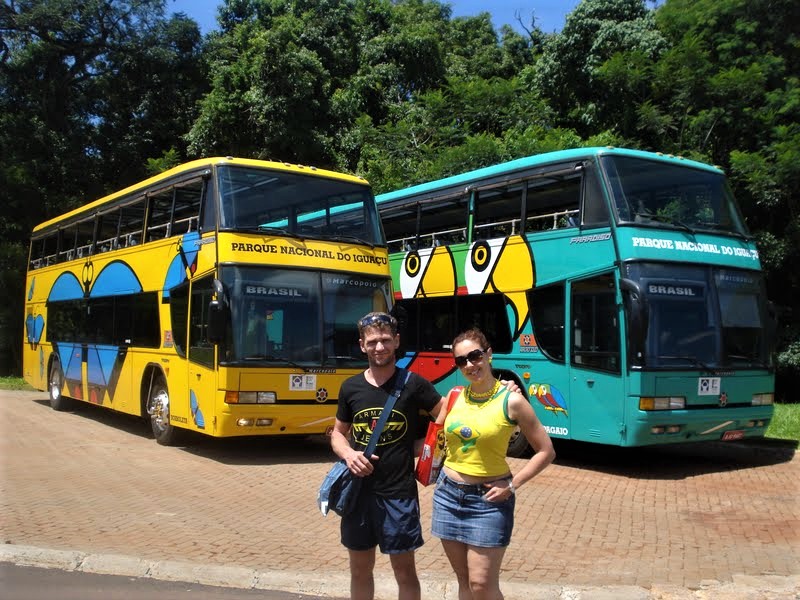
(520,410)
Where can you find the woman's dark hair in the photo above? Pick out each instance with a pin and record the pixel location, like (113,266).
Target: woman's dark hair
(474,334)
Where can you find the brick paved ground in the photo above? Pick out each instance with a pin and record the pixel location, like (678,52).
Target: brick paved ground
(94,481)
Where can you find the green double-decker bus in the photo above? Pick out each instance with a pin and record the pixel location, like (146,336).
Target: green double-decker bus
(619,288)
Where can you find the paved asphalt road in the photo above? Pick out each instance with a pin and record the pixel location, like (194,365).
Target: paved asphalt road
(35,583)
(90,491)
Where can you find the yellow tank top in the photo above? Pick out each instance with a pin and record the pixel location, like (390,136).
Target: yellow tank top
(477,435)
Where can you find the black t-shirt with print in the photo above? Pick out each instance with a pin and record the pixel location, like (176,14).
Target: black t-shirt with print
(361,403)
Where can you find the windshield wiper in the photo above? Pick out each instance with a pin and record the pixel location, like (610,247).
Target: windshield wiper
(270,358)
(352,238)
(690,359)
(753,360)
(665,219)
(276,231)
(718,229)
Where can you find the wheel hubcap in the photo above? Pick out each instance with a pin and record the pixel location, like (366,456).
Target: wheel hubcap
(55,387)
(159,412)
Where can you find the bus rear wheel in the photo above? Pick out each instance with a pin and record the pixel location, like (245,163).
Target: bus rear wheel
(158,408)
(55,383)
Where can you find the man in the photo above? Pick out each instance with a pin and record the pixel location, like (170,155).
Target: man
(387,513)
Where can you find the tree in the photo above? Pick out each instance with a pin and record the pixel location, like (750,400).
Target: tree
(730,83)
(570,72)
(88,91)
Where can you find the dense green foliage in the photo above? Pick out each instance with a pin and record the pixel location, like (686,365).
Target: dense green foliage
(96,94)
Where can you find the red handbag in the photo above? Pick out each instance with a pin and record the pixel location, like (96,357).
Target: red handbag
(433,452)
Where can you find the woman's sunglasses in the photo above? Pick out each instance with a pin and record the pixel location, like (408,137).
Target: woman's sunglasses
(473,357)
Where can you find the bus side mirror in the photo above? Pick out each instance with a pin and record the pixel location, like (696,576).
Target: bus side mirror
(772,326)
(217,321)
(218,313)
(637,311)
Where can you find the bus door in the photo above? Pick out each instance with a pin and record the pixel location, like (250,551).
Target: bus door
(198,404)
(596,387)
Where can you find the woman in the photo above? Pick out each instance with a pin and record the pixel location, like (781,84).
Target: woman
(473,504)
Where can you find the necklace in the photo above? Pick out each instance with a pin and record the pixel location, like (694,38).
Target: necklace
(483,395)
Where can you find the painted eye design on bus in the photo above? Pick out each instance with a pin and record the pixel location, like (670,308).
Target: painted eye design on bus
(505,266)
(87,274)
(428,272)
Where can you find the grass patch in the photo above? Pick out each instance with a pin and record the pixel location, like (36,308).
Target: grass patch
(14,383)
(785,424)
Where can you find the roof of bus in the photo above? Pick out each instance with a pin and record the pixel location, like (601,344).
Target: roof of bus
(534,161)
(198,164)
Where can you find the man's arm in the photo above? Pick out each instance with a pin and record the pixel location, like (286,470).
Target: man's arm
(359,465)
(511,385)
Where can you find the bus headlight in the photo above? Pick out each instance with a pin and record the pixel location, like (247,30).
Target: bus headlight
(662,403)
(232,397)
(762,399)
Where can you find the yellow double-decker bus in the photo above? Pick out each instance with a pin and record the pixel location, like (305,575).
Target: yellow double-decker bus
(220,297)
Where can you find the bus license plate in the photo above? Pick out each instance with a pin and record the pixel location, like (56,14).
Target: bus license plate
(735,434)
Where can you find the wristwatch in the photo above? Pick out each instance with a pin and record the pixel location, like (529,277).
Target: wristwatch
(511,486)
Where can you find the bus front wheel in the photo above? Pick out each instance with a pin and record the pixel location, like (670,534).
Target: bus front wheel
(518,444)
(158,409)
(55,384)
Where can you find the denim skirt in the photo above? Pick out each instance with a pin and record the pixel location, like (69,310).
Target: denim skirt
(462,514)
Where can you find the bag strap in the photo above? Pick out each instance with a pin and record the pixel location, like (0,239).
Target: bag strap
(400,382)
(453,396)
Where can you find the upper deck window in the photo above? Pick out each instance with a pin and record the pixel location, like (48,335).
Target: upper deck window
(659,194)
(296,204)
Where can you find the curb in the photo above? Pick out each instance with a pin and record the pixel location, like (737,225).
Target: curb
(337,585)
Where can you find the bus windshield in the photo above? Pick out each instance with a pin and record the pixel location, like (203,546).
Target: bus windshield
(288,203)
(298,318)
(703,317)
(658,194)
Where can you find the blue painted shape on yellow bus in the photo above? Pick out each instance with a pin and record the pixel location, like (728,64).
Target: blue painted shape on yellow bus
(34,326)
(197,414)
(182,265)
(116,278)
(104,365)
(71,357)
(66,287)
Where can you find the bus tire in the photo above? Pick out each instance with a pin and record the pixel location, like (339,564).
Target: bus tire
(164,432)
(55,385)
(518,444)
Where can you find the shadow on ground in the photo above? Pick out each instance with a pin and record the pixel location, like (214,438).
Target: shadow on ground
(674,461)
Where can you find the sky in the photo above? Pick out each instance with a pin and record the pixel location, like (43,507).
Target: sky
(550,14)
